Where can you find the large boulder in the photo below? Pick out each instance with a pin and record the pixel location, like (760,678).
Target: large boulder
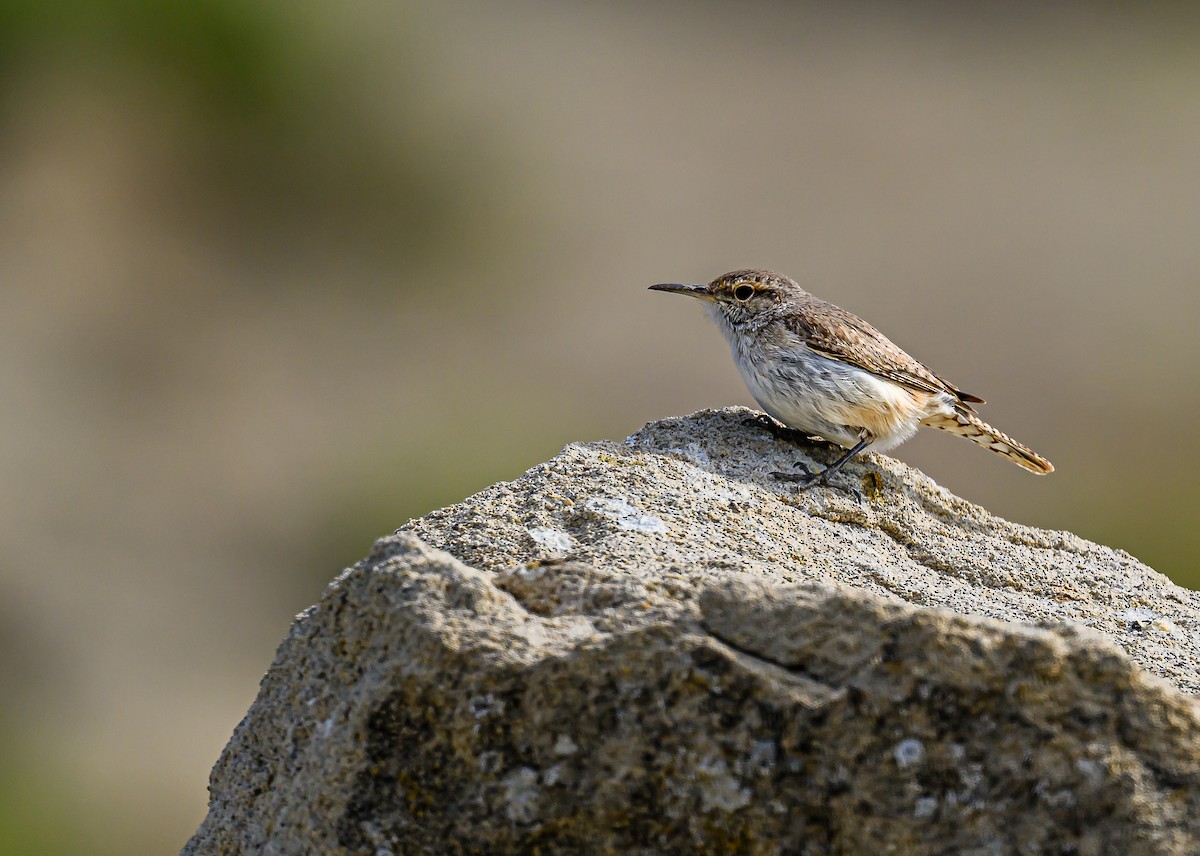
(654,647)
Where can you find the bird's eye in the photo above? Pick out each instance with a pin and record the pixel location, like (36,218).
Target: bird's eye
(743,292)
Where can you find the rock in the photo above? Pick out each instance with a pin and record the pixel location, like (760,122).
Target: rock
(652,647)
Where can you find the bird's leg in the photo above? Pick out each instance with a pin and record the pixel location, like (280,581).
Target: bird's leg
(782,432)
(809,478)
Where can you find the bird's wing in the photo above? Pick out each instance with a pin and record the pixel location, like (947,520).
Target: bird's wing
(840,335)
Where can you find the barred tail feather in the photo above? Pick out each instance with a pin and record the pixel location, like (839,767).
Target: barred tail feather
(966,424)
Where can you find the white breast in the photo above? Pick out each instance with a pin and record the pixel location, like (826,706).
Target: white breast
(822,396)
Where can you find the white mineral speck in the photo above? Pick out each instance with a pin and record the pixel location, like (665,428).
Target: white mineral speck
(1137,615)
(552,539)
(564,745)
(1093,772)
(909,752)
(521,794)
(925,807)
(693,452)
(626,516)
(718,788)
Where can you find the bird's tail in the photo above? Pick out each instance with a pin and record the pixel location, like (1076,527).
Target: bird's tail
(967,424)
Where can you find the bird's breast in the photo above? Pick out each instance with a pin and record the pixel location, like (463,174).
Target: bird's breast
(823,396)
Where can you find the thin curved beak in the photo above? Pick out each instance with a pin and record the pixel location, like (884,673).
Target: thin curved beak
(698,291)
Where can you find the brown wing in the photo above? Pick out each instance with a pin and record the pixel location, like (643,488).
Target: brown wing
(840,335)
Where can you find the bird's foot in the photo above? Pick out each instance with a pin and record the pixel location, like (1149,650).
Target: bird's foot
(805,479)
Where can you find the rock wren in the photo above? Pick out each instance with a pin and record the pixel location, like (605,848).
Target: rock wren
(825,373)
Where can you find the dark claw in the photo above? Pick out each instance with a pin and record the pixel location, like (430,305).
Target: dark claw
(808,479)
(805,478)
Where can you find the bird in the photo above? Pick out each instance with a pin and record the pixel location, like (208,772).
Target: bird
(823,373)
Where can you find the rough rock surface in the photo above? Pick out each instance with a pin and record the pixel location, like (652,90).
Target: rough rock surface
(652,647)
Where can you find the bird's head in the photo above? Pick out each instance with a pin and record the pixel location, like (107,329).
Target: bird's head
(741,296)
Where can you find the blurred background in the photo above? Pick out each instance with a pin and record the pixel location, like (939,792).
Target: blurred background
(277,276)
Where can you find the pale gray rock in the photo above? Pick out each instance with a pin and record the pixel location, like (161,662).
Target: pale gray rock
(653,647)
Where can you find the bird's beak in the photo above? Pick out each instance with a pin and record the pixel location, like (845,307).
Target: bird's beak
(698,291)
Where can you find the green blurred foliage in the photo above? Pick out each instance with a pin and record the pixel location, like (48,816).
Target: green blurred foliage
(240,57)
(1160,531)
(278,141)
(37,813)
